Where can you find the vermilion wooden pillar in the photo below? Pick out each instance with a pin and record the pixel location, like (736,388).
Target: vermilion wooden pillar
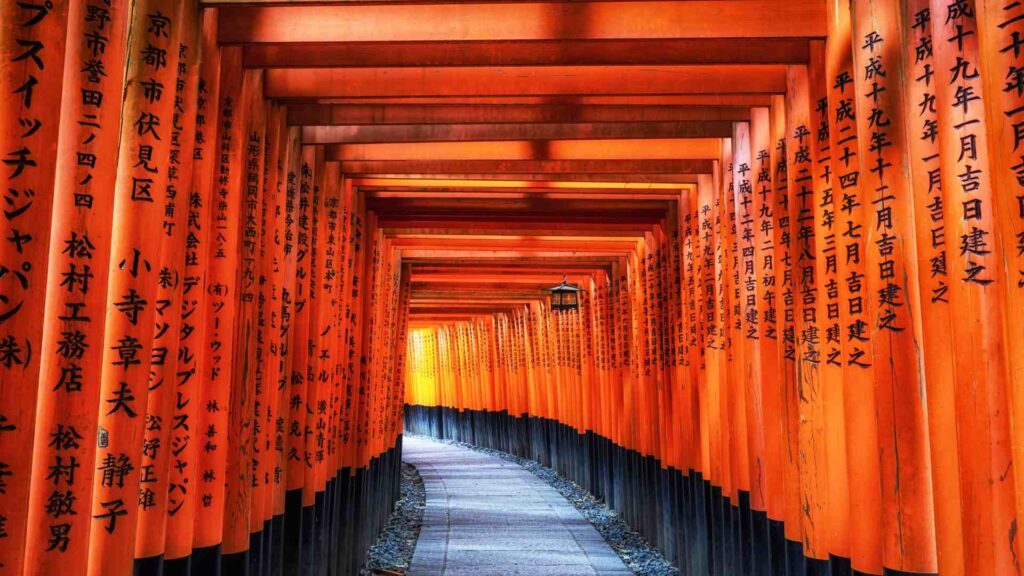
(342,383)
(324,334)
(298,428)
(719,373)
(238,468)
(187,437)
(352,286)
(830,364)
(802,152)
(742,350)
(285,226)
(32,52)
(733,400)
(336,481)
(57,539)
(705,234)
(264,391)
(704,251)
(688,340)
(849,231)
(139,197)
(908,528)
(977,288)
(274,255)
(315,417)
(781,537)
(766,490)
(753,171)
(219,342)
(933,251)
(1001,59)
(368,285)
(158,457)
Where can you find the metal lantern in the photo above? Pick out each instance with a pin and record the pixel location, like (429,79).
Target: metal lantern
(564,296)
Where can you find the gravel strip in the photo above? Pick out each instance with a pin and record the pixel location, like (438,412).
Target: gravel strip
(392,553)
(636,552)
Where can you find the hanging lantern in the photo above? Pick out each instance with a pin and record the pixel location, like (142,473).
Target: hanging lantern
(564,296)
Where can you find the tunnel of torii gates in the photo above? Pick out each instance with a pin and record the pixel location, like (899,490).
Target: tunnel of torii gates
(244,245)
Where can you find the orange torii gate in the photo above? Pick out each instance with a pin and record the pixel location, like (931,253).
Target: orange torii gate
(798,227)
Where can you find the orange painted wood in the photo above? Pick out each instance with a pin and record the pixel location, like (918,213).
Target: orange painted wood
(732,437)
(975,261)
(531,53)
(297,458)
(139,196)
(654,181)
(787,507)
(239,465)
(267,323)
(317,389)
(690,351)
(355,134)
(222,301)
(799,233)
(933,251)
(849,206)
(908,528)
(999,26)
(525,21)
(286,220)
(705,303)
(616,149)
(158,458)
(714,99)
(346,296)
(32,49)
(801,149)
(182,500)
(326,183)
(786,180)
(833,418)
(521,81)
(634,171)
(69,378)
(413,114)
(368,279)
(760,315)
(745,397)
(276,252)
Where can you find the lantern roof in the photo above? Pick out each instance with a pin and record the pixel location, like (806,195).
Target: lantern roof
(565,287)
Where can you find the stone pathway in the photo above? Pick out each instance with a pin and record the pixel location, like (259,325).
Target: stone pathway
(488,517)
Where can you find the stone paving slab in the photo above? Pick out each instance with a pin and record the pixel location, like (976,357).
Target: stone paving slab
(490,517)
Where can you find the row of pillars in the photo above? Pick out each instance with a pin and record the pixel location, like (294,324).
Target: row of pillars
(198,369)
(828,332)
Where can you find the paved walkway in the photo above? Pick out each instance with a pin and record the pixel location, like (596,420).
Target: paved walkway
(487,517)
